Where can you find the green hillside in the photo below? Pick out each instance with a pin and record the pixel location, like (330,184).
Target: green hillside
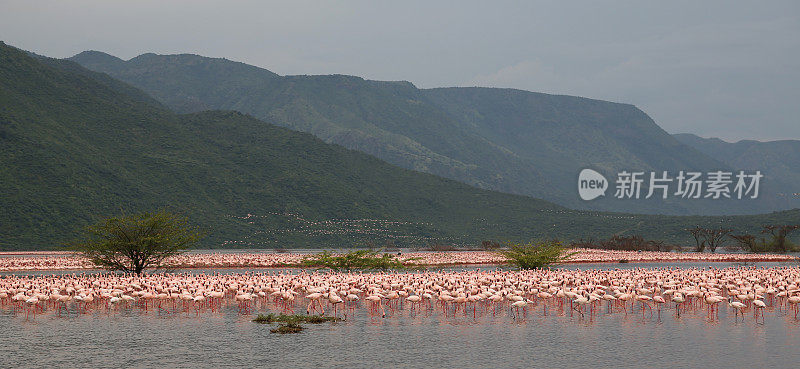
(500,139)
(77,147)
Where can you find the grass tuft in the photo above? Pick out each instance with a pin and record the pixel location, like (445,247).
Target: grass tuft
(287,328)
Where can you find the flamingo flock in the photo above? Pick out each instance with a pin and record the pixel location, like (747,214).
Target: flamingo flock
(471,294)
(270,260)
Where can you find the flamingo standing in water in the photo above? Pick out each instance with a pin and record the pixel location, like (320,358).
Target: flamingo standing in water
(114,301)
(644,300)
(794,300)
(519,304)
(32,303)
(375,304)
(287,301)
(659,300)
(474,299)
(678,299)
(625,297)
(737,307)
(610,299)
(582,301)
(414,300)
(545,297)
(351,298)
(312,299)
(333,298)
(712,301)
(244,303)
(758,306)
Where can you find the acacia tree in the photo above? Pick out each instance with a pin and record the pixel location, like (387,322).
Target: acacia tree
(779,233)
(659,245)
(133,243)
(746,242)
(697,233)
(715,238)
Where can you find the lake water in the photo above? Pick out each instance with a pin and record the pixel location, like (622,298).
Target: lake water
(134,338)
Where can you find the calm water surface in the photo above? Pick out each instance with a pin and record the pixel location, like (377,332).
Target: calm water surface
(134,338)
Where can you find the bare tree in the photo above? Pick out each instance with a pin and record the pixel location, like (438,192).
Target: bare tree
(659,245)
(715,238)
(746,241)
(697,233)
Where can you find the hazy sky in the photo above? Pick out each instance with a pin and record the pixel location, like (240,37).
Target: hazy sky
(728,69)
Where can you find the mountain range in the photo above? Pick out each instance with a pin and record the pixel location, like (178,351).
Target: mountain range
(78,145)
(778,160)
(506,140)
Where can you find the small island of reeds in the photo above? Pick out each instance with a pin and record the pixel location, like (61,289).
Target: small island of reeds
(291,323)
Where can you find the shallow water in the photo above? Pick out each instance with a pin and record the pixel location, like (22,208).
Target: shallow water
(134,338)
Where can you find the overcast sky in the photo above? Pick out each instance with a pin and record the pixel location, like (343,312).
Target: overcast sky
(728,69)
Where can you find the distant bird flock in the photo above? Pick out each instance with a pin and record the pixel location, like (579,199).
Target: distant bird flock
(45,261)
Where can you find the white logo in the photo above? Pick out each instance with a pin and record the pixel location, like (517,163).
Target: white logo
(690,185)
(591,184)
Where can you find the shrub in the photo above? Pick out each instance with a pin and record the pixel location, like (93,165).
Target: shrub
(536,255)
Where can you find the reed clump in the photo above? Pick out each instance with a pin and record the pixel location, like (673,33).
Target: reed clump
(291,323)
(287,328)
(283,318)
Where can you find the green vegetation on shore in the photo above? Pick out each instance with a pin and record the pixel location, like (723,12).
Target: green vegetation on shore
(355,260)
(778,242)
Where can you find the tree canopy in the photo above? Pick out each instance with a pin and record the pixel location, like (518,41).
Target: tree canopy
(133,243)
